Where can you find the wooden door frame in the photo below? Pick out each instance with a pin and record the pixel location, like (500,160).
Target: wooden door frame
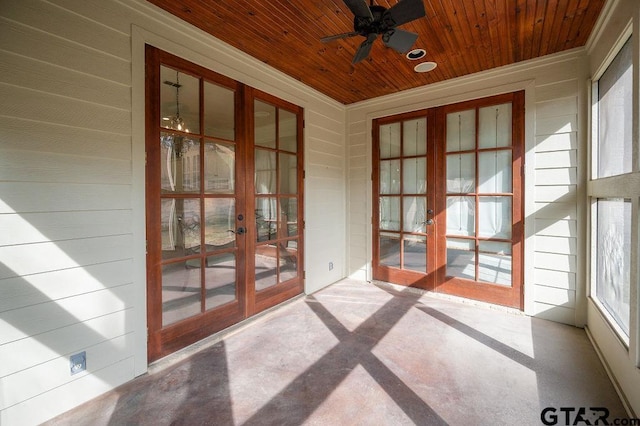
(165,340)
(492,293)
(382,272)
(259,301)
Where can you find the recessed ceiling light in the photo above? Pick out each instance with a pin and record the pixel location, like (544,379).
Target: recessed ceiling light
(416,54)
(425,67)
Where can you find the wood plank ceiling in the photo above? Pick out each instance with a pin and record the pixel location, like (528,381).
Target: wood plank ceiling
(461,36)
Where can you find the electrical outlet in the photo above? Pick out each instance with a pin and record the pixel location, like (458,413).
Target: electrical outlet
(330,265)
(78,362)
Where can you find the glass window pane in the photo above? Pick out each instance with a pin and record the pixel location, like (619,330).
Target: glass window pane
(179,163)
(266,218)
(266,267)
(414,175)
(461,131)
(461,212)
(615,127)
(179,101)
(289,215)
(461,258)
(494,262)
(219,111)
(288,174)
(390,213)
(390,177)
(220,280)
(494,127)
(288,131)
(180,227)
(390,140)
(494,171)
(390,250)
(495,217)
(414,209)
(264,124)
(415,137)
(181,294)
(265,171)
(219,168)
(415,253)
(613,259)
(461,173)
(288,260)
(220,221)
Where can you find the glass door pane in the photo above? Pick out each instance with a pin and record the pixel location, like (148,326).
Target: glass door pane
(276,193)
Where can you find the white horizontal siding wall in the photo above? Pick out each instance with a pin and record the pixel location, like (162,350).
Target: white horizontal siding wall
(554,90)
(72,190)
(556,198)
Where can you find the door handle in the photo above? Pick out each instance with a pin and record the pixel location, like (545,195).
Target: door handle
(429,221)
(240,231)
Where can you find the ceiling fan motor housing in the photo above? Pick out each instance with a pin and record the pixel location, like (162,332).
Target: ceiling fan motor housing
(380,24)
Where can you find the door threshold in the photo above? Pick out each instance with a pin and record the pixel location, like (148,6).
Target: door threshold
(450,297)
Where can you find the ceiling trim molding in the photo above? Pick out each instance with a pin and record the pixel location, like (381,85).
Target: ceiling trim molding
(471,79)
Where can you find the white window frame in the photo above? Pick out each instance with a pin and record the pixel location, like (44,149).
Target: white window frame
(625,186)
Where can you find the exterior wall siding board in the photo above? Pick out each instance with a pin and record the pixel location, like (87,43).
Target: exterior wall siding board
(68,170)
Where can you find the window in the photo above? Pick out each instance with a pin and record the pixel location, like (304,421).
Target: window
(612,211)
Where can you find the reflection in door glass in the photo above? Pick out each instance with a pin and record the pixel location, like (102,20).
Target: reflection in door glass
(265,171)
(494,262)
(220,217)
(461,216)
(219,168)
(264,124)
(494,126)
(266,267)
(461,258)
(180,163)
(288,260)
(414,209)
(390,140)
(414,137)
(390,177)
(390,213)
(390,249)
(287,130)
(461,130)
(180,291)
(220,280)
(414,175)
(415,253)
(180,227)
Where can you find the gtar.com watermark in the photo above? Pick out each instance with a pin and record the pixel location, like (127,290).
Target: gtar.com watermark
(588,416)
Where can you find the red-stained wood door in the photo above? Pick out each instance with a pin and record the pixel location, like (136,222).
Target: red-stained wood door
(448,205)
(223,202)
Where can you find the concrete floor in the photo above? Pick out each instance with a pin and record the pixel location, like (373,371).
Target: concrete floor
(363,354)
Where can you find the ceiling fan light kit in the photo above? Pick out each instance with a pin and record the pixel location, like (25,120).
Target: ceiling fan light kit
(372,20)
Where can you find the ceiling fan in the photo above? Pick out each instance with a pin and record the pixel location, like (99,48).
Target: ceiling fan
(373,20)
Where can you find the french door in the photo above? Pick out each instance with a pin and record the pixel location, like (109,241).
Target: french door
(447,210)
(223,198)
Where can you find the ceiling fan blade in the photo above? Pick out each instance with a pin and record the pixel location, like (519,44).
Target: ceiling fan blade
(399,40)
(359,8)
(404,11)
(338,36)
(364,49)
